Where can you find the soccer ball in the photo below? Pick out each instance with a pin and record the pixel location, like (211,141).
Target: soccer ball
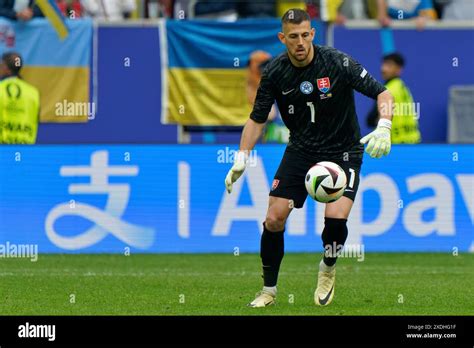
(325,182)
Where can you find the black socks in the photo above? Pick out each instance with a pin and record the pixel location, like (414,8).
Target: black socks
(272,247)
(272,250)
(334,236)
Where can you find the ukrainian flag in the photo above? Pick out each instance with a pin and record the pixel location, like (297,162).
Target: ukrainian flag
(55,17)
(206,74)
(60,69)
(207,68)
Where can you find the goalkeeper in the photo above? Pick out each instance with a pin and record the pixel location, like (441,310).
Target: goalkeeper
(313,87)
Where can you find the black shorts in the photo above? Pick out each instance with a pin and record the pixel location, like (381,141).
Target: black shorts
(289,179)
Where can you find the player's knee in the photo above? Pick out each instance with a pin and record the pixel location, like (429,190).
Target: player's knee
(275,222)
(337,215)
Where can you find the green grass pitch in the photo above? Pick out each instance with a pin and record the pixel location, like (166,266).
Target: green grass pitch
(218,284)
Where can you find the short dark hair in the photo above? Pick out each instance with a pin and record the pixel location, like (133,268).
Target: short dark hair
(13,61)
(295,16)
(395,57)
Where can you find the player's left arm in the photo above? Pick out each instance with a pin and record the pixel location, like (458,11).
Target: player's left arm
(378,142)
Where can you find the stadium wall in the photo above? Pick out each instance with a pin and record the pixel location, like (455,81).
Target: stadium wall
(171,199)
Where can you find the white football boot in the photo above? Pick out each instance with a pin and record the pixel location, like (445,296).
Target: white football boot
(263,299)
(325,289)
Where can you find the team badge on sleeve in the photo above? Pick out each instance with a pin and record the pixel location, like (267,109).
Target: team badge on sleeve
(324,84)
(275,184)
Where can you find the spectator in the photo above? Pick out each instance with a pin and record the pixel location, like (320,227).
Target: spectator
(219,10)
(337,11)
(354,9)
(404,122)
(284,5)
(62,6)
(256,9)
(330,11)
(112,10)
(70,8)
(19,103)
(420,10)
(159,8)
(439,7)
(23,10)
(275,129)
(458,10)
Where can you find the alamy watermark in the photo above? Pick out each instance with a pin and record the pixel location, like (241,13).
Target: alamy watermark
(28,330)
(401,109)
(75,109)
(10,250)
(348,250)
(227,155)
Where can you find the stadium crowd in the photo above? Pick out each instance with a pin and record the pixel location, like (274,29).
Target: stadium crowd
(337,11)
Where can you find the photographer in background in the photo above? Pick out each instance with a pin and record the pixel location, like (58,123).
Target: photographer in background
(23,10)
(419,10)
(70,8)
(404,122)
(111,10)
(275,130)
(19,103)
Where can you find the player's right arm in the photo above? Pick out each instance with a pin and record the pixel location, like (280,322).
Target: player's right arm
(253,128)
(252,131)
(250,135)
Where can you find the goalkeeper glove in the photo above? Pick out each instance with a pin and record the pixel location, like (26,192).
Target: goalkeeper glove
(240,160)
(379,142)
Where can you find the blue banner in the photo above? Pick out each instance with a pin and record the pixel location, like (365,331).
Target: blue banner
(157,199)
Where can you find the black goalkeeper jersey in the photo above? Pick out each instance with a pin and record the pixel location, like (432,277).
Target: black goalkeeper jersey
(316,102)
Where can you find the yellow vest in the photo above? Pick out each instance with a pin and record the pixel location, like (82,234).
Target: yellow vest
(405,120)
(329,10)
(285,5)
(19,111)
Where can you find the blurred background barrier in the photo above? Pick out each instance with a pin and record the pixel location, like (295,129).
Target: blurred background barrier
(158,199)
(461,118)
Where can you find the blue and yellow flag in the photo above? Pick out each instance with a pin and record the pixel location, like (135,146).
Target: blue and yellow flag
(206,74)
(55,17)
(60,69)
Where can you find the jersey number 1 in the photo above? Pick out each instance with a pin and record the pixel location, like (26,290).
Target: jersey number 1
(313,113)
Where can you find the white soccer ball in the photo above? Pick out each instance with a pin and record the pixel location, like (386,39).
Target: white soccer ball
(325,182)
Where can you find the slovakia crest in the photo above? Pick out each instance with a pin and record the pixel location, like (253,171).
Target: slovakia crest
(324,84)
(275,184)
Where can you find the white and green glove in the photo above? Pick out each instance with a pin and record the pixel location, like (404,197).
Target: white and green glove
(379,142)
(240,160)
